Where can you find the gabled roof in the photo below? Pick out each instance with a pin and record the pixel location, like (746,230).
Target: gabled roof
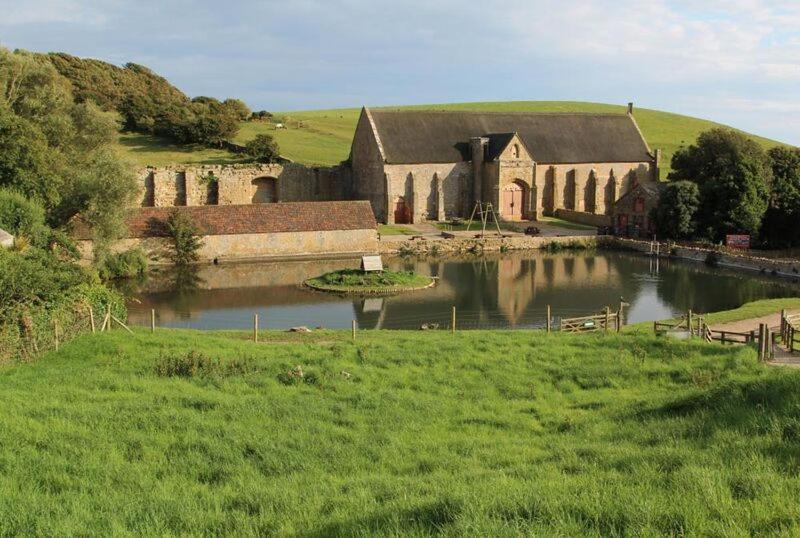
(424,136)
(498,142)
(651,189)
(251,218)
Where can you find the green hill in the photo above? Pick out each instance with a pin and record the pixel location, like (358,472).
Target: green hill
(323,137)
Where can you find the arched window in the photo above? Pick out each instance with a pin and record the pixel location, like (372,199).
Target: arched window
(266,190)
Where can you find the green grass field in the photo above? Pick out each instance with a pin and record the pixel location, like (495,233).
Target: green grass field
(357,281)
(323,137)
(398,433)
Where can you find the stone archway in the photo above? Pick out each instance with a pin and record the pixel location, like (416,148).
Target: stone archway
(265,190)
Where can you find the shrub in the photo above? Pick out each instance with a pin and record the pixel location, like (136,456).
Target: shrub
(263,148)
(196,364)
(21,216)
(119,265)
(184,237)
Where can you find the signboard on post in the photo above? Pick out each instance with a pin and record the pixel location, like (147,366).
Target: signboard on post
(371,263)
(741,242)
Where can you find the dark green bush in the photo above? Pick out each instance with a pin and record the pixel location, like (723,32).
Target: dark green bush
(263,148)
(120,265)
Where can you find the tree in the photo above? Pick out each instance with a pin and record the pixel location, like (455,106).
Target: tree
(263,148)
(57,152)
(184,238)
(677,210)
(733,174)
(782,220)
(238,109)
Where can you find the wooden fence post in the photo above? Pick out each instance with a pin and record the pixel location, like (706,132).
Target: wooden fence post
(608,318)
(108,316)
(152,320)
(453,320)
(783,325)
(55,332)
(761,341)
(91,318)
(689,322)
(354,329)
(549,320)
(255,327)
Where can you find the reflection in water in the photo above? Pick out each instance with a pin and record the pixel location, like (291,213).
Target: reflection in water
(493,291)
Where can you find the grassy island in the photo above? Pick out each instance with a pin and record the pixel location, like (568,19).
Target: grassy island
(358,281)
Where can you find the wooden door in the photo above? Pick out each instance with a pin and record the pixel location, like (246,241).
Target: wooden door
(512,202)
(401,215)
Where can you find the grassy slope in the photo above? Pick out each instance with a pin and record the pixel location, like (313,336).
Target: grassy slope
(484,433)
(325,135)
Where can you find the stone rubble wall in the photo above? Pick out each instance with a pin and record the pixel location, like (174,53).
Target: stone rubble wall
(458,245)
(581,217)
(169,186)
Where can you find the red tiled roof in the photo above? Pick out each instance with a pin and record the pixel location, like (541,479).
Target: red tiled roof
(255,218)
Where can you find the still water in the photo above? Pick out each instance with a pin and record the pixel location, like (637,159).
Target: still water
(492,291)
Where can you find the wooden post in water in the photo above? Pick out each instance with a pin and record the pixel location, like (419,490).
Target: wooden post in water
(255,327)
(152,320)
(91,318)
(549,320)
(453,320)
(354,329)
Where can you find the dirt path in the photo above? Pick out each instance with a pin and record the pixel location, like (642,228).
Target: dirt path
(773,321)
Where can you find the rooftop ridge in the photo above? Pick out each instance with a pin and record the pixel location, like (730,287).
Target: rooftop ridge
(499,112)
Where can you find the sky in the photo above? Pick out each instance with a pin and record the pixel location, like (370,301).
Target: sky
(732,61)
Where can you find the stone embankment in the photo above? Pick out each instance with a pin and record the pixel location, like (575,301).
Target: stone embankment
(457,245)
(777,267)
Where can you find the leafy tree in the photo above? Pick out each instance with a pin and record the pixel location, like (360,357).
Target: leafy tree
(184,239)
(238,109)
(733,174)
(677,209)
(782,221)
(57,152)
(263,148)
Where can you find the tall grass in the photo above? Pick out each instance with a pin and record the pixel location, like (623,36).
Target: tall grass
(400,433)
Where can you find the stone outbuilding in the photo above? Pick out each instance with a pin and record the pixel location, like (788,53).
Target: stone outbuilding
(632,212)
(415,165)
(253,231)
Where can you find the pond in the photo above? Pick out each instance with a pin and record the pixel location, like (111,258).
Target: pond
(492,291)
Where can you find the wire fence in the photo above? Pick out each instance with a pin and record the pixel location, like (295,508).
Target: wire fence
(285,319)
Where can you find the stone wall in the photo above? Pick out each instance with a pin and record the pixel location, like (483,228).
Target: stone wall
(427,188)
(590,219)
(241,184)
(257,246)
(487,244)
(369,180)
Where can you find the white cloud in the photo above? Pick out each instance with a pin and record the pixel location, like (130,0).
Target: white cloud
(31,12)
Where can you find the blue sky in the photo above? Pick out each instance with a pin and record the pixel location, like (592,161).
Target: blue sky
(733,61)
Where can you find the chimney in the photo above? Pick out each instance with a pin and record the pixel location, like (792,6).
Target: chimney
(630,109)
(478,150)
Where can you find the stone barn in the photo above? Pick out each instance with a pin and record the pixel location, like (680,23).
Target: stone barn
(632,212)
(416,165)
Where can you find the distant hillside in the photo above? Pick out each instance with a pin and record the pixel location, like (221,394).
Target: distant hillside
(323,137)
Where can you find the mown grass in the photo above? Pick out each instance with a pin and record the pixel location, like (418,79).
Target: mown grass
(323,137)
(399,433)
(356,280)
(561,223)
(395,229)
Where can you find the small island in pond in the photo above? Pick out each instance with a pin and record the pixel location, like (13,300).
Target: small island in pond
(372,282)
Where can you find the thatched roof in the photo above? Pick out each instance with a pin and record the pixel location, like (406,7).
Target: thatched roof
(422,136)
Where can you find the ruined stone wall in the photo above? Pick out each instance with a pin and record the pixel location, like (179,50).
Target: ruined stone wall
(420,186)
(239,184)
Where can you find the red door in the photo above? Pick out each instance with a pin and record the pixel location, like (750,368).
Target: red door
(401,212)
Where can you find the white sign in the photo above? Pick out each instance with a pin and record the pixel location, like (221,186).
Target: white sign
(371,263)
